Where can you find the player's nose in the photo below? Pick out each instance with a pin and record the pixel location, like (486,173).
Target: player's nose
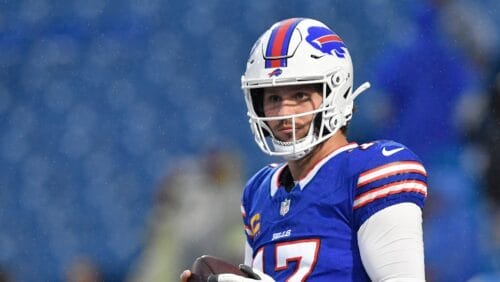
(287,107)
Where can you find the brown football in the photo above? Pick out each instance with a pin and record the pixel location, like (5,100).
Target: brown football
(206,265)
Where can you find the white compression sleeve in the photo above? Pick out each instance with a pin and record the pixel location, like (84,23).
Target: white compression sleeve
(248,254)
(391,244)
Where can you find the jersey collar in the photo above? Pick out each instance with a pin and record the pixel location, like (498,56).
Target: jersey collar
(304,181)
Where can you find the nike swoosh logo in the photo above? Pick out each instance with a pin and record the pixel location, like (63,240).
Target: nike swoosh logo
(388,153)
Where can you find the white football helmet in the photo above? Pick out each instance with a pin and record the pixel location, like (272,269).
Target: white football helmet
(300,51)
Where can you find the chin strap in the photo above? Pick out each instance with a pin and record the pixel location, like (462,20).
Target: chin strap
(360,89)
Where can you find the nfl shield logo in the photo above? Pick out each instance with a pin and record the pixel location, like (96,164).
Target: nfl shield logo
(285,207)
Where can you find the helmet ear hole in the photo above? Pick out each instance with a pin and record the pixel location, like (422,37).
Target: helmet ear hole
(334,122)
(338,78)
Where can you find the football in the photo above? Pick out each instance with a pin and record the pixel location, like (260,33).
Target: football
(206,265)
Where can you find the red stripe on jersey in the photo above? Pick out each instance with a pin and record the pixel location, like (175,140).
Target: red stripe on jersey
(243,213)
(390,189)
(390,169)
(248,231)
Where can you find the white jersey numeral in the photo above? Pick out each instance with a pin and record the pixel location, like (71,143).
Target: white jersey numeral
(303,252)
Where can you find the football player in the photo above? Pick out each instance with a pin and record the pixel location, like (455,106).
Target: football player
(334,210)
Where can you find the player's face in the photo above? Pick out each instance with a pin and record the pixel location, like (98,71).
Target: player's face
(289,100)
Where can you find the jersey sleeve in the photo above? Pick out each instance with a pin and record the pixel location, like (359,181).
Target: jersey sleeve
(250,223)
(245,206)
(391,174)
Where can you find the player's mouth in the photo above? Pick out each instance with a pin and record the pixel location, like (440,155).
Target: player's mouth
(286,130)
(285,133)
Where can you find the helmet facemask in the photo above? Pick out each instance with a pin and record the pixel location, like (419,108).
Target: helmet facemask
(333,113)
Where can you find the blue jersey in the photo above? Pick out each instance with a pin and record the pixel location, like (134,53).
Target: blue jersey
(309,233)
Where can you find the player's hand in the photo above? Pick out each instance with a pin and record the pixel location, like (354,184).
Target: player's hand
(185,275)
(252,273)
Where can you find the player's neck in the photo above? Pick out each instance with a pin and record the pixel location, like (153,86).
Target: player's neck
(300,168)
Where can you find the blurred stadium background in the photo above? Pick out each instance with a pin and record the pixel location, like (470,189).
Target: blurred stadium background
(100,99)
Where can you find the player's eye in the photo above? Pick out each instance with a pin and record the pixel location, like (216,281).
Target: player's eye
(299,96)
(273,99)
